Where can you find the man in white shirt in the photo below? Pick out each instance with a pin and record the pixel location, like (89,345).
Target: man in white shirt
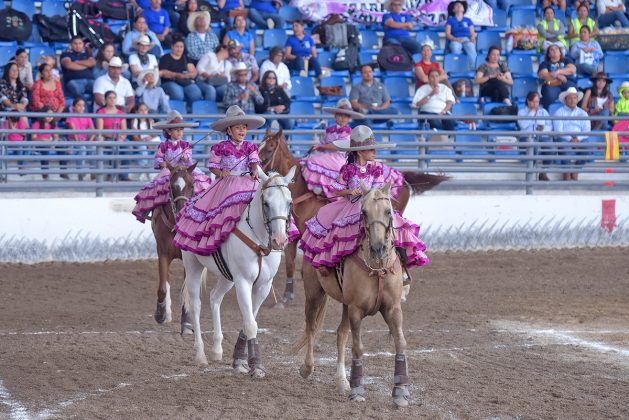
(214,71)
(142,60)
(610,11)
(276,55)
(570,98)
(436,99)
(113,80)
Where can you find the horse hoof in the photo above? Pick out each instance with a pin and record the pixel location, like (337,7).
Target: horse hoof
(216,356)
(240,366)
(342,386)
(186,328)
(401,396)
(305,371)
(400,402)
(160,312)
(257,373)
(357,394)
(279,305)
(201,360)
(288,296)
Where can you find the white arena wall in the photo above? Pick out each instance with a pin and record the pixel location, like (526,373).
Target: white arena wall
(95,229)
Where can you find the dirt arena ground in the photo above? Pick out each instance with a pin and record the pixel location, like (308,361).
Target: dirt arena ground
(490,335)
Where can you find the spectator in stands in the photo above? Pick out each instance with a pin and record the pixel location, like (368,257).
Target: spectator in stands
(117,123)
(225,7)
(143,124)
(540,125)
(237,55)
(199,41)
(423,66)
(370,97)
(460,32)
(47,91)
(77,65)
(494,77)
(551,31)
(586,52)
(559,4)
(397,27)
(276,101)
(14,122)
(183,26)
(557,74)
(274,62)
(178,75)
(622,107)
(435,98)
(80,123)
(241,35)
(598,101)
(567,124)
(214,71)
(142,59)
(301,52)
(610,12)
(150,94)
(48,123)
(582,19)
(265,14)
(24,67)
(141,28)
(105,53)
(114,81)
(158,21)
(52,62)
(13,94)
(241,91)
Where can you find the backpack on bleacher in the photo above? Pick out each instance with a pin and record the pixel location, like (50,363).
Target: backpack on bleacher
(14,25)
(113,9)
(52,28)
(94,30)
(346,59)
(320,29)
(394,58)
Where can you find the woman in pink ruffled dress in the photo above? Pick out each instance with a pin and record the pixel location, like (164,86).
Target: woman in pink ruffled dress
(175,152)
(208,218)
(336,231)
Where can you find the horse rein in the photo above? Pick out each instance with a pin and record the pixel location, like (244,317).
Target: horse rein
(173,207)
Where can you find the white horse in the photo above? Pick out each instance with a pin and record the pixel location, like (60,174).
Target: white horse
(249,258)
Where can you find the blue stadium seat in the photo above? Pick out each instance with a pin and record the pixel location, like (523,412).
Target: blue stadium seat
(7,52)
(522,86)
(274,38)
(205,108)
(260,56)
(488,39)
(487,107)
(398,89)
(290,14)
(523,17)
(178,105)
(366,57)
(326,59)
(456,65)
(463,108)
(53,7)
(554,107)
(405,124)
(521,65)
(303,108)
(25,6)
(369,41)
(334,81)
(407,144)
(518,3)
(584,83)
(500,20)
(432,35)
(38,50)
(303,88)
(616,65)
(469,149)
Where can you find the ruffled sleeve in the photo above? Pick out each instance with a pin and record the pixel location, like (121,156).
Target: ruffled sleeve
(252,154)
(378,175)
(186,153)
(159,155)
(345,174)
(215,156)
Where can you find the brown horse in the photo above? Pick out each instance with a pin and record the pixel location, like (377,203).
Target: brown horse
(275,155)
(181,185)
(369,281)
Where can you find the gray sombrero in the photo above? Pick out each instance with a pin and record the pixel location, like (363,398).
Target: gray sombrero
(234,116)
(362,138)
(174,120)
(343,106)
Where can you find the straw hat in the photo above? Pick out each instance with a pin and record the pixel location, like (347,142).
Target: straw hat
(234,116)
(194,15)
(240,66)
(624,86)
(144,73)
(115,62)
(451,7)
(343,106)
(143,40)
(428,42)
(601,75)
(570,91)
(362,138)
(174,120)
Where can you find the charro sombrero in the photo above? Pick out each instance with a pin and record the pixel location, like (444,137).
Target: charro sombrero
(343,106)
(570,91)
(362,138)
(174,120)
(194,15)
(234,116)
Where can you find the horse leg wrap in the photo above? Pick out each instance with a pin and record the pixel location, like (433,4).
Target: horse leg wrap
(160,312)
(240,348)
(186,323)
(254,360)
(400,378)
(289,292)
(356,380)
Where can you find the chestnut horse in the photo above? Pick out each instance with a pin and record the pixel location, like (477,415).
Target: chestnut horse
(275,155)
(181,185)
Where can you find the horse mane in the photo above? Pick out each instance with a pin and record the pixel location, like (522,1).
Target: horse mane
(421,182)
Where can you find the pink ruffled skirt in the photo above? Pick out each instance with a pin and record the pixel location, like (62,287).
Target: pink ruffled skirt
(208,218)
(321,169)
(336,231)
(157,192)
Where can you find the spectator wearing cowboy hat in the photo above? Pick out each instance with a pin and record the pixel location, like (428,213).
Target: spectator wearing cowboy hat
(241,91)
(264,13)
(598,101)
(237,55)
(423,66)
(141,28)
(214,71)
(199,41)
(397,27)
(435,98)
(150,94)
(460,32)
(191,6)
(567,124)
(113,81)
(142,60)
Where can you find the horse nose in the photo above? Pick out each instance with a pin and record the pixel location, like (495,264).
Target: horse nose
(278,241)
(377,250)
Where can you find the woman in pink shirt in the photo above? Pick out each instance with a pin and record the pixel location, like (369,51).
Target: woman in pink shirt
(16,123)
(47,123)
(81,123)
(119,124)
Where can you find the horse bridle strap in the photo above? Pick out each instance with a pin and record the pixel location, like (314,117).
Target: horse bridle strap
(381,273)
(168,223)
(257,249)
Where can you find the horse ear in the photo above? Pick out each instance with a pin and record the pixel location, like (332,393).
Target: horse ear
(192,167)
(387,188)
(290,176)
(281,132)
(262,175)
(364,188)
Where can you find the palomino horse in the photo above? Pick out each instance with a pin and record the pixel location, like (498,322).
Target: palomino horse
(181,185)
(276,156)
(369,281)
(249,258)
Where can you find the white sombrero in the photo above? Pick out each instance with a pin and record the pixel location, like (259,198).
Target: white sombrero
(570,91)
(234,116)
(343,106)
(143,40)
(174,120)
(115,62)
(144,73)
(194,15)
(240,66)
(362,138)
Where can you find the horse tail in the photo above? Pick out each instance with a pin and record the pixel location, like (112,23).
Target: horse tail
(421,182)
(185,296)
(318,321)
